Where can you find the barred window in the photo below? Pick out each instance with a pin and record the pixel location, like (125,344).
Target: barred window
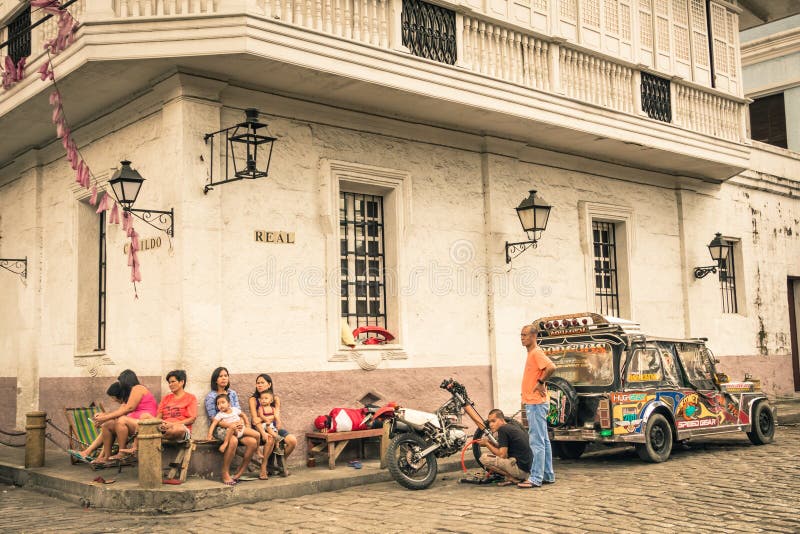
(727,281)
(606,287)
(362,256)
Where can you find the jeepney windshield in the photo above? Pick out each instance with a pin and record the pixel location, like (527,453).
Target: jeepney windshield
(583,364)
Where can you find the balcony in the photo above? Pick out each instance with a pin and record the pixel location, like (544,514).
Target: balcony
(512,70)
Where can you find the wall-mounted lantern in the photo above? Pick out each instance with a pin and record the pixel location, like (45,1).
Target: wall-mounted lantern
(718,249)
(126,183)
(242,142)
(18,266)
(533,214)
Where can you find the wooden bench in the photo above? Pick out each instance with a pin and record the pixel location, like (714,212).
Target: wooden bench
(179,466)
(335,442)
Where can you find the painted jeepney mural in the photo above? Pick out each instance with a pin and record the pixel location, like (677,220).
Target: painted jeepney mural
(615,384)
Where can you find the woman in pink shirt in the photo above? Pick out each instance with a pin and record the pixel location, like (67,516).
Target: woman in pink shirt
(137,403)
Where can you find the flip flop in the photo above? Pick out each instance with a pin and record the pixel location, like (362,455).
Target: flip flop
(527,484)
(230,482)
(355,464)
(171,481)
(263,477)
(505,483)
(78,456)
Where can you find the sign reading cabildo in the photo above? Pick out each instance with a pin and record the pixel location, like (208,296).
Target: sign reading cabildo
(144,244)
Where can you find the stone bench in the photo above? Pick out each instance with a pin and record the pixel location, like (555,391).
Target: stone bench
(333,443)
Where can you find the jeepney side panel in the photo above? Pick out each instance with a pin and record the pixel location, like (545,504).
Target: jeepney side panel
(628,414)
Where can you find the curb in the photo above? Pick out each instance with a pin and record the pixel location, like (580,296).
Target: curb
(177,499)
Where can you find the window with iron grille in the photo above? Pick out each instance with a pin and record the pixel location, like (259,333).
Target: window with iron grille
(606,286)
(727,281)
(19,35)
(362,256)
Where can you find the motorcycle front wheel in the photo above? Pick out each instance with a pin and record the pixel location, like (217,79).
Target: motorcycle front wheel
(411,472)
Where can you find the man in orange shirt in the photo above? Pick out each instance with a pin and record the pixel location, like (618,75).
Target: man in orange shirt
(538,368)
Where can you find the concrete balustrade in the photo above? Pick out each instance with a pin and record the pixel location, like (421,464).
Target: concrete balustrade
(485,45)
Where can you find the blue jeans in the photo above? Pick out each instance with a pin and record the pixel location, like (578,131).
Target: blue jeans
(542,468)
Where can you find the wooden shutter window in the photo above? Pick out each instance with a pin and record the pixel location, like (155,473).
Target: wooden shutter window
(768,120)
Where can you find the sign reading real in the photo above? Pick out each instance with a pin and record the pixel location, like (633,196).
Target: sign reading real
(268,236)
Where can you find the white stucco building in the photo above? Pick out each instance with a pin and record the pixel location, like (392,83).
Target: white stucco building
(605,107)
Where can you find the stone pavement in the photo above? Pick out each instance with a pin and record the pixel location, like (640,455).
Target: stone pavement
(721,484)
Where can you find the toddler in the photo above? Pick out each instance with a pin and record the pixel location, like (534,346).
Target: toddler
(235,422)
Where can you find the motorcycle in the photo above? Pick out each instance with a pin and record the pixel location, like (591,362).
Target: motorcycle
(419,438)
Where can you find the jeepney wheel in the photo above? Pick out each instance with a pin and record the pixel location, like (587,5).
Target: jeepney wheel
(763,425)
(563,402)
(569,450)
(658,440)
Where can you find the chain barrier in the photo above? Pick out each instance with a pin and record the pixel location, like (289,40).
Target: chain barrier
(13,434)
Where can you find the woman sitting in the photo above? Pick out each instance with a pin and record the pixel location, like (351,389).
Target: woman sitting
(220,384)
(262,416)
(137,403)
(178,409)
(115,392)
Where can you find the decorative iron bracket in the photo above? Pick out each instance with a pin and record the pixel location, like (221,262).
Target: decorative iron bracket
(18,266)
(702,272)
(515,249)
(159,216)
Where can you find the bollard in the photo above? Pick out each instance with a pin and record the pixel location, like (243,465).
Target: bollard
(149,453)
(35,425)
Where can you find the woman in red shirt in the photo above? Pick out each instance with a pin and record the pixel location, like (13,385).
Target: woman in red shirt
(178,409)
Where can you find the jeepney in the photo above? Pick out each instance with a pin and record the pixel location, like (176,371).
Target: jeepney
(614,384)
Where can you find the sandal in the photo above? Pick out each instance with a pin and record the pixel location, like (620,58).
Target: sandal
(230,482)
(527,484)
(78,456)
(505,483)
(263,477)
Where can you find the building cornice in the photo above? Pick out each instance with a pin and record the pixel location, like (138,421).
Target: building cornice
(771,47)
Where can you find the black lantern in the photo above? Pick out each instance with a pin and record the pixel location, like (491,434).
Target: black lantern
(126,183)
(533,214)
(719,249)
(243,142)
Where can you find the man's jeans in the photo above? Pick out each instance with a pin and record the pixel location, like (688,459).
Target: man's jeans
(542,468)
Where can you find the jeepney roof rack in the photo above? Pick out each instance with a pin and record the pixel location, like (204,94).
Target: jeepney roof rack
(584,323)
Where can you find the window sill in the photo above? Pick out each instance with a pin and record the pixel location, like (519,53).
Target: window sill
(369,357)
(91,354)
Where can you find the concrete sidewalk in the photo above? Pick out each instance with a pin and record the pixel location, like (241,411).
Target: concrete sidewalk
(74,483)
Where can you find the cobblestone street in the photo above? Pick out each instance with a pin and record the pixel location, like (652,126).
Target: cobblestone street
(721,485)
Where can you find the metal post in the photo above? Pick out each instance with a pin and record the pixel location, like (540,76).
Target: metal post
(35,425)
(149,453)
